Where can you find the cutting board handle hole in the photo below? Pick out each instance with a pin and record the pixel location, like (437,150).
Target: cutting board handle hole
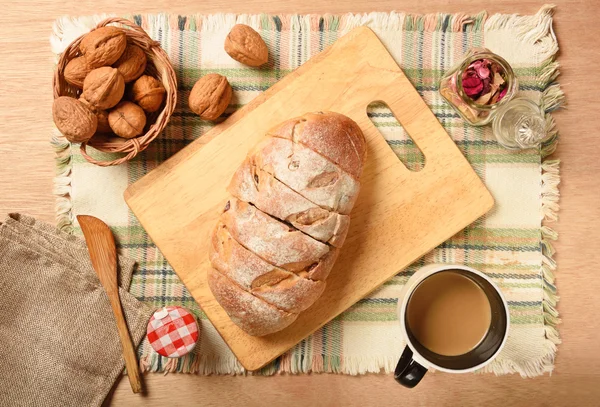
(397,137)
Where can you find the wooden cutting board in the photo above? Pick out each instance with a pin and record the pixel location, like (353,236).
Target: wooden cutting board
(400,215)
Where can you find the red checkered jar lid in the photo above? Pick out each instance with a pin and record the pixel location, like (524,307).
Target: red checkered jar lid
(172,331)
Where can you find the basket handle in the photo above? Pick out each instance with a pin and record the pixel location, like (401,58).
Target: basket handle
(123,21)
(138,31)
(131,150)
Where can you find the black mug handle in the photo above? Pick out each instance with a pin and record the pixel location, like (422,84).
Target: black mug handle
(408,372)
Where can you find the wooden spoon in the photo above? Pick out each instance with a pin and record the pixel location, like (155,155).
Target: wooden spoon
(103,253)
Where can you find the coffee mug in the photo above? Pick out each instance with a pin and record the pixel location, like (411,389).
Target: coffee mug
(453,318)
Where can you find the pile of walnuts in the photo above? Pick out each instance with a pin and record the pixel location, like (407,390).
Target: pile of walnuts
(211,95)
(115,95)
(107,66)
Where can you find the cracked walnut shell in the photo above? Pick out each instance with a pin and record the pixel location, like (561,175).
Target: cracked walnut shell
(103,88)
(103,46)
(74,119)
(127,120)
(246,46)
(148,92)
(210,96)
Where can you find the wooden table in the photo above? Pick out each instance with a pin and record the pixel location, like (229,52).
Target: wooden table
(26,172)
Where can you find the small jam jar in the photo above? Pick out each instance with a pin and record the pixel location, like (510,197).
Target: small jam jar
(451,88)
(172,331)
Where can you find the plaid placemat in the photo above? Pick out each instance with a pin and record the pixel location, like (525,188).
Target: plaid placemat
(509,244)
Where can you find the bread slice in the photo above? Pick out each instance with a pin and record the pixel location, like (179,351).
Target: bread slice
(280,288)
(267,193)
(255,316)
(308,173)
(332,135)
(272,240)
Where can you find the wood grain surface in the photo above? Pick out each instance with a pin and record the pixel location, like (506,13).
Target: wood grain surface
(26,171)
(417,211)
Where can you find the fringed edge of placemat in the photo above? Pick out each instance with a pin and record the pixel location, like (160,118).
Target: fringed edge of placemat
(535,28)
(66,29)
(62,181)
(538,30)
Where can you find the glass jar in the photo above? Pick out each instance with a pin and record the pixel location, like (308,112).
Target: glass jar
(520,125)
(451,88)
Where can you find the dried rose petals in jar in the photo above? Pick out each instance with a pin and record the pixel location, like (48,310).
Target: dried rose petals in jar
(476,87)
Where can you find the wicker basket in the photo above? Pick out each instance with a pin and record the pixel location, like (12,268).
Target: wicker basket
(158,66)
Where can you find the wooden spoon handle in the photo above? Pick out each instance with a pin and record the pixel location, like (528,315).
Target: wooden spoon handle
(133,371)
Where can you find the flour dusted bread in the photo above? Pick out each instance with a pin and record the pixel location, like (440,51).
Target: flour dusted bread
(272,240)
(334,136)
(308,173)
(279,235)
(267,193)
(281,288)
(253,315)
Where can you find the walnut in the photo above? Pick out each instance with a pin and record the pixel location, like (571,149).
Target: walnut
(132,63)
(76,71)
(75,120)
(246,46)
(101,116)
(127,120)
(148,92)
(103,46)
(210,96)
(103,125)
(103,87)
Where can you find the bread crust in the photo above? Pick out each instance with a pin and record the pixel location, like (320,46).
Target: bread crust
(281,288)
(267,193)
(270,239)
(308,173)
(253,315)
(335,136)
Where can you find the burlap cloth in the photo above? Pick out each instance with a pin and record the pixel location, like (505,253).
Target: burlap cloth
(59,344)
